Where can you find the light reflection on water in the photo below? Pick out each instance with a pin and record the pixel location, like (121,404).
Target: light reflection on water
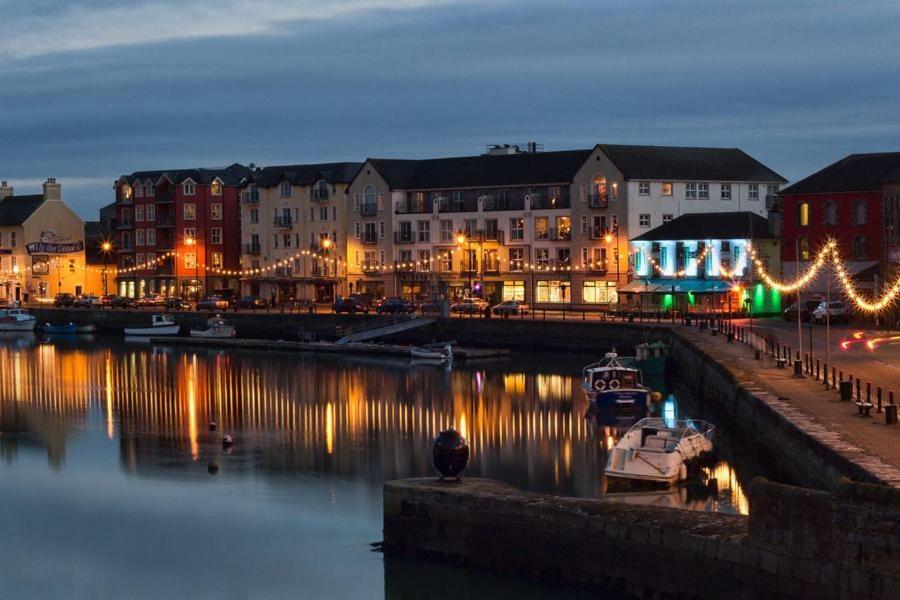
(300,422)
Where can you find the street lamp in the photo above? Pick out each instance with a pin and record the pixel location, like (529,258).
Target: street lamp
(192,241)
(461,239)
(106,247)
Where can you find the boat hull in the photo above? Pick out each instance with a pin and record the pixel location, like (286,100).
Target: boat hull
(85,329)
(18,325)
(215,332)
(428,354)
(623,398)
(150,331)
(59,329)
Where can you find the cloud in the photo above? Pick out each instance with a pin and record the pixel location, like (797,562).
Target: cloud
(39,28)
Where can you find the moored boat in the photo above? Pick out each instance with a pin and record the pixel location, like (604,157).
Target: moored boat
(16,319)
(610,383)
(89,328)
(651,358)
(160,325)
(66,329)
(216,327)
(659,450)
(441,354)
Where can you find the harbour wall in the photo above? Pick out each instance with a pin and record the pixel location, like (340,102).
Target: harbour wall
(795,543)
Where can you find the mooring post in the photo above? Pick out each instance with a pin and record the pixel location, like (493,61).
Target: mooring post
(858,389)
(878,396)
(834,378)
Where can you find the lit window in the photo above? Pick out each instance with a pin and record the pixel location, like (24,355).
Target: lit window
(217,260)
(216,188)
(803,214)
(190,260)
(667,188)
(190,212)
(803,248)
(600,190)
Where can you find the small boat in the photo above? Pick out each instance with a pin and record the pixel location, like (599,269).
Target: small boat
(216,327)
(16,319)
(659,450)
(610,383)
(160,325)
(441,354)
(90,328)
(67,329)
(651,358)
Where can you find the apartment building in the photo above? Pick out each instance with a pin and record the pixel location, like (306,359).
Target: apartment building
(178,231)
(41,245)
(295,217)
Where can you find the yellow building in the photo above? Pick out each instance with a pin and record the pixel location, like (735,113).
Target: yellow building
(41,245)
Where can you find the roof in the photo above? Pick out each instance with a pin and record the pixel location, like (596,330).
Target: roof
(698,226)
(230,175)
(853,173)
(340,172)
(687,163)
(15,210)
(482,171)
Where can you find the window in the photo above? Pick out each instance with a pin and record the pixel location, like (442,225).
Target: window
(490,230)
(216,260)
(803,248)
(470,226)
(860,248)
(424,260)
(667,188)
(139,212)
(599,292)
(405,256)
(286,240)
(138,190)
(254,215)
(12,239)
(446,261)
(285,189)
(516,259)
(542,257)
(644,220)
(215,235)
(149,190)
(517,229)
(369,199)
(643,188)
(139,237)
(446,230)
(139,258)
(190,233)
(690,191)
(190,211)
(771,190)
(725,193)
(334,213)
(703,191)
(190,260)
(188,188)
(215,211)
(513,290)
(831,213)
(666,218)
(323,213)
(215,189)
(601,190)
(424,229)
(312,214)
(553,291)
(151,212)
(151,237)
(541,228)
(564,257)
(860,216)
(753,191)
(803,214)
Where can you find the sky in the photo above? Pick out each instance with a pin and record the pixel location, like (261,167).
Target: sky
(92,89)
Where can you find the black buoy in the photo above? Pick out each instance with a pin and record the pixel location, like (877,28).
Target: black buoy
(450,453)
(213,468)
(212,425)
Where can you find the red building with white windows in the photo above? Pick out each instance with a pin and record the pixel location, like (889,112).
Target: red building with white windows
(175,229)
(843,201)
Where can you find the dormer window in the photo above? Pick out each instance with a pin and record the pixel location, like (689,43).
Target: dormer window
(138,191)
(216,188)
(149,190)
(188,188)
(285,189)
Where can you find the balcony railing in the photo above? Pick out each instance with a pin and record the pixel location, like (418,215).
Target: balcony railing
(597,268)
(165,268)
(553,234)
(371,268)
(369,237)
(250,197)
(320,194)
(125,225)
(539,202)
(284,221)
(368,210)
(494,204)
(410,207)
(250,248)
(447,205)
(598,201)
(165,197)
(165,221)
(283,272)
(404,237)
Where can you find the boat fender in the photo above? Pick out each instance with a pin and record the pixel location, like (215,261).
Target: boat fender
(614,384)
(682,472)
(600,385)
(227,441)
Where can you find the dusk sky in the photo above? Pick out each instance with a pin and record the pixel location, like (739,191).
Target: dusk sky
(92,89)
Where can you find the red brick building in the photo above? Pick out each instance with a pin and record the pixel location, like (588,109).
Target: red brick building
(173,227)
(844,201)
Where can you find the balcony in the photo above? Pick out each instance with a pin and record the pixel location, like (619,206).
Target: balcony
(320,195)
(446,205)
(283,272)
(553,234)
(165,197)
(598,201)
(368,210)
(409,207)
(540,202)
(495,204)
(596,268)
(369,237)
(371,268)
(404,237)
(598,233)
(165,221)
(165,268)
(284,222)
(250,248)
(498,236)
(164,244)
(125,224)
(250,197)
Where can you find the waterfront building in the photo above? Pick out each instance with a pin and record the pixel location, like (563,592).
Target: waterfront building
(547,228)
(178,231)
(702,262)
(295,217)
(99,253)
(41,245)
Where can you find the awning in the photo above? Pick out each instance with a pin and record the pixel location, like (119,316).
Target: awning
(665,286)
(714,286)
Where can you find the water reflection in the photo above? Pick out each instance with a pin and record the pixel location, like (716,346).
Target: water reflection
(358,418)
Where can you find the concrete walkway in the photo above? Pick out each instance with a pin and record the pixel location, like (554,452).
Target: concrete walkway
(805,402)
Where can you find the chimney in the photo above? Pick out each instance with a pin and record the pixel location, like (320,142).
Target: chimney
(6,190)
(52,190)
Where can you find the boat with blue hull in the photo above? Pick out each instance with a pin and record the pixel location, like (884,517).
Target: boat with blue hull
(609,383)
(67,329)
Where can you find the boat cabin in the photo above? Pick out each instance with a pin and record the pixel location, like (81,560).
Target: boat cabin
(159,320)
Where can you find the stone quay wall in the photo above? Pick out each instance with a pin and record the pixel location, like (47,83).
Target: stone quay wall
(796,543)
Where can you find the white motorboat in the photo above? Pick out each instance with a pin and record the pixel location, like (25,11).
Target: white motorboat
(658,450)
(16,319)
(441,354)
(160,325)
(610,383)
(216,327)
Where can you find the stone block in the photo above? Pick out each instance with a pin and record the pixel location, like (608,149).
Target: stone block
(750,557)
(768,561)
(730,551)
(805,570)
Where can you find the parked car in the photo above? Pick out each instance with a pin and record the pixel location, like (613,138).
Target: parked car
(394,306)
(63,300)
(105,300)
(174,302)
(86,301)
(806,309)
(350,305)
(431,306)
(469,306)
(511,307)
(122,302)
(836,312)
(212,303)
(152,300)
(252,302)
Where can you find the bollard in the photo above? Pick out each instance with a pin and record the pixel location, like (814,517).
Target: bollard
(756,354)
(868,393)
(878,396)
(846,388)
(858,389)
(890,414)
(825,375)
(798,369)
(833,378)
(817,369)
(729,337)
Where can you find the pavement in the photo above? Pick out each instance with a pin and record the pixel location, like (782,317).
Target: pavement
(866,440)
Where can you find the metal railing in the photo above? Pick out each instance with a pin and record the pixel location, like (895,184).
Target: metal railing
(283,221)
(369,237)
(165,221)
(404,237)
(250,197)
(250,249)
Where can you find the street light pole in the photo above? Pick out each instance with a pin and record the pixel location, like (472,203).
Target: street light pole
(799,296)
(106,247)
